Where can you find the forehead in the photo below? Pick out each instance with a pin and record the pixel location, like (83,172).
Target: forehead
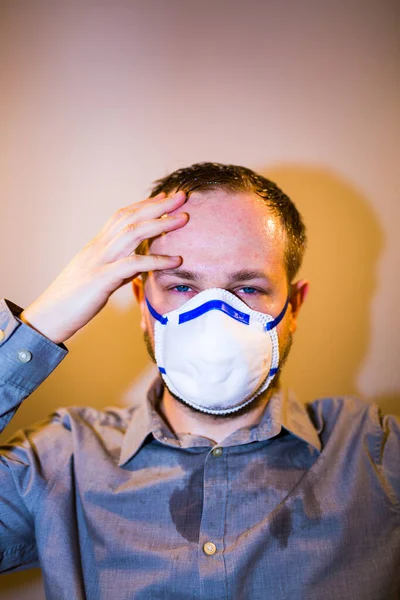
(226,231)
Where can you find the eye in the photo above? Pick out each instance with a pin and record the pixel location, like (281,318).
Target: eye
(247,289)
(181,288)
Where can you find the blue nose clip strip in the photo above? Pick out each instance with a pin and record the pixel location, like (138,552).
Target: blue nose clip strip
(221,305)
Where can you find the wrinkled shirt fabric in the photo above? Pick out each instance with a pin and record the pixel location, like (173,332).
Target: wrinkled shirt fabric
(112,505)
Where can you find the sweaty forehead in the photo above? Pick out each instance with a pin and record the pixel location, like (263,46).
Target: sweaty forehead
(225,228)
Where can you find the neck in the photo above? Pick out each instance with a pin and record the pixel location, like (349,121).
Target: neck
(183,419)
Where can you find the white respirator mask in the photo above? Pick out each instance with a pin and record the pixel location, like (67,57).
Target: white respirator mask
(214,352)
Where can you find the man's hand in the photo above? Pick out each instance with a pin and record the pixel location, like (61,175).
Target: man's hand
(108,261)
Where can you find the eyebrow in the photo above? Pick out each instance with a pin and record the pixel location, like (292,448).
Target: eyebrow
(243,275)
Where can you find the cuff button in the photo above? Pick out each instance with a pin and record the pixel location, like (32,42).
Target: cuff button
(24,356)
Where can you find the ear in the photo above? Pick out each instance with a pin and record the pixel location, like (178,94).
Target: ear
(298,293)
(138,291)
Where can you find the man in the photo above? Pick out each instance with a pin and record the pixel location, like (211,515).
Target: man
(218,484)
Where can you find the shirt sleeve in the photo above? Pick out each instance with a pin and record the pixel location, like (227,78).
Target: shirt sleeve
(390,457)
(26,359)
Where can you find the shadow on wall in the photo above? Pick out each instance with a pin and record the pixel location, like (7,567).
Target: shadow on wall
(345,243)
(344,246)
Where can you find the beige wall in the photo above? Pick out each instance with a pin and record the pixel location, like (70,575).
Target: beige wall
(100,98)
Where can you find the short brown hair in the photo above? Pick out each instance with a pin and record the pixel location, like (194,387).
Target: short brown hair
(206,176)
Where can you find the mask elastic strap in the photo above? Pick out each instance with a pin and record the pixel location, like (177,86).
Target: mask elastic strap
(279,318)
(273,371)
(155,314)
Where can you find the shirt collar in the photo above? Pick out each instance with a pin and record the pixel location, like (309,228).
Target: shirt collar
(296,420)
(141,422)
(283,410)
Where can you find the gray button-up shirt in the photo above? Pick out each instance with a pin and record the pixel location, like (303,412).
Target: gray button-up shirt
(112,505)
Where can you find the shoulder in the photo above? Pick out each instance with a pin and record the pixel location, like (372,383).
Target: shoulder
(339,410)
(345,417)
(348,407)
(357,432)
(79,417)
(49,444)
(52,451)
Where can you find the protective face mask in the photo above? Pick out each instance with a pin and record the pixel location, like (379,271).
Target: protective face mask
(214,352)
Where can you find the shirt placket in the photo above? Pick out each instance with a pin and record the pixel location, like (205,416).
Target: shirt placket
(212,528)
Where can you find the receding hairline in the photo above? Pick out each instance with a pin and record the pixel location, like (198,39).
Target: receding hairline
(252,196)
(206,177)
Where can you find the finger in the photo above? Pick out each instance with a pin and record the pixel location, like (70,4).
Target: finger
(126,242)
(130,267)
(164,201)
(152,208)
(133,205)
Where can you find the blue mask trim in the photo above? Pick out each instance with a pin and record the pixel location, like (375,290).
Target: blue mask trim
(278,319)
(155,314)
(272,371)
(215,305)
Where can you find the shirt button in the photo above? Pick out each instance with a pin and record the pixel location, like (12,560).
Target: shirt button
(2,335)
(24,356)
(209,548)
(217,452)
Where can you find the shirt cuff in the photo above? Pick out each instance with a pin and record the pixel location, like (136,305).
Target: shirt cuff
(26,356)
